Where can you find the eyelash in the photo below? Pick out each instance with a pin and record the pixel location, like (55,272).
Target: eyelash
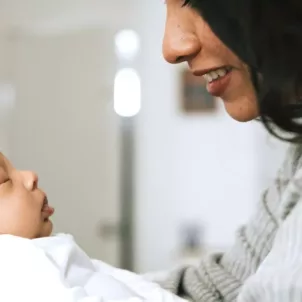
(5,181)
(186,3)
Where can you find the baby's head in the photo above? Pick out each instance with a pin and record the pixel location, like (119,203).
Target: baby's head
(24,209)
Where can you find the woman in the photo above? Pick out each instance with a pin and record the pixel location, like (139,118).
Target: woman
(250,53)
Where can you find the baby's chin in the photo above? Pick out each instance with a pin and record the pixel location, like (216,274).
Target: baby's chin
(46,229)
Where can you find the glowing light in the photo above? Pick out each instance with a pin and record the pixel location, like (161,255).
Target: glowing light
(127,44)
(127,92)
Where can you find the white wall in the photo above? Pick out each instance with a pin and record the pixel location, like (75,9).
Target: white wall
(44,16)
(205,168)
(6,93)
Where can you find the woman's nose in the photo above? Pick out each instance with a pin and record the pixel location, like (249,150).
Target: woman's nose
(179,45)
(30,180)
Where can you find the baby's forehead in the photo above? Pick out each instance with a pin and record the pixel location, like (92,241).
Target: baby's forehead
(4,162)
(3,158)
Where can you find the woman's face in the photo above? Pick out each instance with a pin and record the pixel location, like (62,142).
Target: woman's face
(189,38)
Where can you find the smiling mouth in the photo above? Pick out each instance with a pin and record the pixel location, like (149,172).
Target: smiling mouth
(217,79)
(216,74)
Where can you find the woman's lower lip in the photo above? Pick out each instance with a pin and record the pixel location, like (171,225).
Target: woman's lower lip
(217,87)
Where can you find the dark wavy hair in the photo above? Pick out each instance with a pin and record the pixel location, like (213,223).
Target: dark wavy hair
(267,36)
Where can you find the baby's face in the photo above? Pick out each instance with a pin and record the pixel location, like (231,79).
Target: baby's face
(24,209)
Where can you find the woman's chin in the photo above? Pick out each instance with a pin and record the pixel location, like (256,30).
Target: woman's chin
(242,111)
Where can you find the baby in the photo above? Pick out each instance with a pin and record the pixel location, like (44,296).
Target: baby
(35,266)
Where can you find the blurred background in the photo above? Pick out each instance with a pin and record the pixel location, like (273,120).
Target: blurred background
(143,168)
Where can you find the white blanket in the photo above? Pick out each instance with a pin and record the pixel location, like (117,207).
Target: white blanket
(55,269)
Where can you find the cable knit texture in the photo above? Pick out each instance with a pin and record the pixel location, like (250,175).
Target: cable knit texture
(221,277)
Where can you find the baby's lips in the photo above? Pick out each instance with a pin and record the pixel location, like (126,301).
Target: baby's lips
(51,210)
(48,210)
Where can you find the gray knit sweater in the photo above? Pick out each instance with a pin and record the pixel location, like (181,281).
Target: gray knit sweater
(221,277)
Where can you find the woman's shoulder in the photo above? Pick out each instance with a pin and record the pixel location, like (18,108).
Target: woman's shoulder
(280,274)
(294,155)
(291,172)
(292,161)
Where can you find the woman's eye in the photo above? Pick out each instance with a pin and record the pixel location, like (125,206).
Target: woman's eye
(186,2)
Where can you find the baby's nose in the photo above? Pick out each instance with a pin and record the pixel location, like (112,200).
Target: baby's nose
(30,180)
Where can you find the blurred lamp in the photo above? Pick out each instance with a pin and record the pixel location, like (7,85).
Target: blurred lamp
(126,44)
(127,92)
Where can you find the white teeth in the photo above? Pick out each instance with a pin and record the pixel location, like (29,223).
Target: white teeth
(208,77)
(214,75)
(222,72)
